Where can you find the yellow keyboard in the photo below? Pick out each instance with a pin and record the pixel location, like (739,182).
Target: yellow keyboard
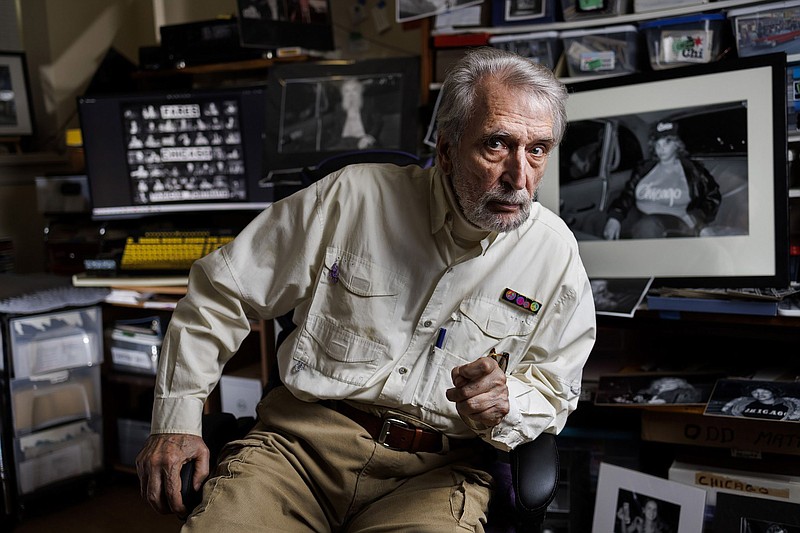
(169,250)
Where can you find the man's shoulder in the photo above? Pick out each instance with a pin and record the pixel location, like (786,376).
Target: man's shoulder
(371,176)
(553,224)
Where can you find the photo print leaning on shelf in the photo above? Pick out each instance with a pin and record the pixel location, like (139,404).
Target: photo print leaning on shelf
(764,400)
(655,388)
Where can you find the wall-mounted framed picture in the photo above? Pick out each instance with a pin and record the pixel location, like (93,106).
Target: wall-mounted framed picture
(16,116)
(722,221)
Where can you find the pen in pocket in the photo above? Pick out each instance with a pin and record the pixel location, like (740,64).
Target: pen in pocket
(440,337)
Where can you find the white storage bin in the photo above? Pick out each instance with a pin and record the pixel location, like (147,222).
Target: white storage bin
(45,343)
(542,47)
(602,51)
(767,28)
(681,41)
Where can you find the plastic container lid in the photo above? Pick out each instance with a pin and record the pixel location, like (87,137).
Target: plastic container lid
(599,31)
(689,19)
(765,7)
(524,36)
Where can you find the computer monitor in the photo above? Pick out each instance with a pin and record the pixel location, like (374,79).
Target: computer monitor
(155,153)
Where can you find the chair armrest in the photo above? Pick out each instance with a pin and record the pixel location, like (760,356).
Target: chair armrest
(534,473)
(218,430)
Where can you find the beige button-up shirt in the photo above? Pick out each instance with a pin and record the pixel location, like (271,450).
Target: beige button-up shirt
(367,259)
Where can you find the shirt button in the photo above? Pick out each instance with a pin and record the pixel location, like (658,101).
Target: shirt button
(402,370)
(427,323)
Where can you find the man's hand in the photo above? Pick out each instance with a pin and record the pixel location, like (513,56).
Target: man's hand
(159,467)
(480,392)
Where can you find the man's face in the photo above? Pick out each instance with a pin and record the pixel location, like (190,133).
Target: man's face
(500,161)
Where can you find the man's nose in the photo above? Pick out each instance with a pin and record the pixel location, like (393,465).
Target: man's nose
(517,169)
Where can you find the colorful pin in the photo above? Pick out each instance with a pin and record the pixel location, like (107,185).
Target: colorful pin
(518,300)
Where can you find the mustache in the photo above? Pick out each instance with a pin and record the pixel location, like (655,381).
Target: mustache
(510,197)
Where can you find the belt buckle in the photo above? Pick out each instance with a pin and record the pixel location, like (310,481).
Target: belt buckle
(388,422)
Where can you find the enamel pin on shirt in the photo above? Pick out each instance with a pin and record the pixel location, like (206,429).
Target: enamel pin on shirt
(520,301)
(334,273)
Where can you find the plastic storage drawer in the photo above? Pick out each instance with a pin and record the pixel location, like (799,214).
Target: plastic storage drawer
(602,51)
(683,41)
(542,47)
(48,342)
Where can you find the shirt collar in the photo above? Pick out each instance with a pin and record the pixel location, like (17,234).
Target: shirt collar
(443,203)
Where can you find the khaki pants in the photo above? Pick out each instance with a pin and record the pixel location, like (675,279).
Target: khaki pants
(305,467)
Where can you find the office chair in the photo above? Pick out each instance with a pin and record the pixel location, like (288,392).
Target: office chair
(526,483)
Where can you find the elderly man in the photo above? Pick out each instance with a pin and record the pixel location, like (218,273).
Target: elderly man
(439,312)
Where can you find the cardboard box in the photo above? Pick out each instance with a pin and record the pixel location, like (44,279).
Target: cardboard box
(241,390)
(721,432)
(714,480)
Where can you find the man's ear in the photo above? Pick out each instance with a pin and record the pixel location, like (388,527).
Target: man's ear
(443,155)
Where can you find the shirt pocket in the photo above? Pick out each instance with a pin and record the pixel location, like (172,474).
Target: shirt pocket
(340,354)
(478,326)
(483,324)
(347,333)
(356,291)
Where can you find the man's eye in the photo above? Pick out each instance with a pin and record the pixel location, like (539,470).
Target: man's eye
(494,143)
(538,151)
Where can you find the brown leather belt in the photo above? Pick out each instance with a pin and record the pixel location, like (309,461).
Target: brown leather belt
(397,434)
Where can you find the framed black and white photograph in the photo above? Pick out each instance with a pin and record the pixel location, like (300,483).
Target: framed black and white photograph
(417,9)
(744,514)
(658,175)
(756,399)
(318,110)
(629,501)
(15,108)
(654,389)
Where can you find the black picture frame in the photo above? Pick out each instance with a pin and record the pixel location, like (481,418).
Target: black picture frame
(16,113)
(744,514)
(303,99)
(757,258)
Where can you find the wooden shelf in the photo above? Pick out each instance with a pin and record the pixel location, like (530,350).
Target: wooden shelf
(217,68)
